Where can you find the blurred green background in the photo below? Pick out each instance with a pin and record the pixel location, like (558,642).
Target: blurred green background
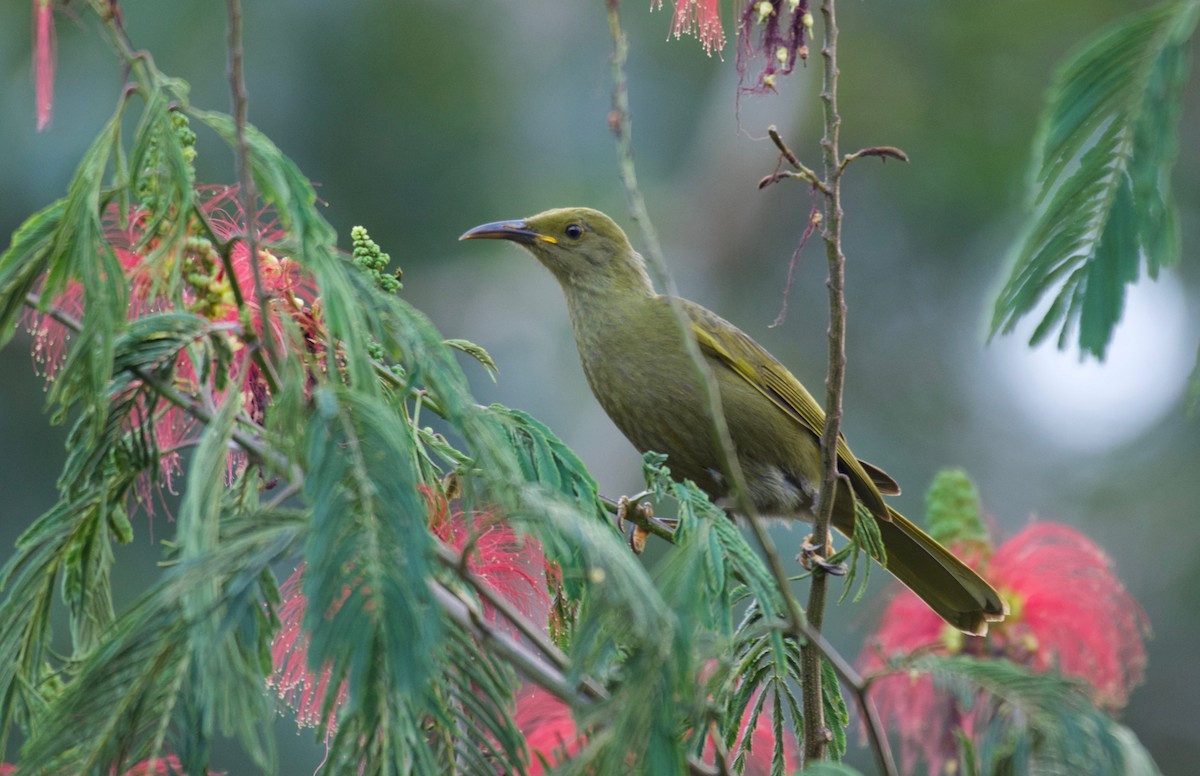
(421,119)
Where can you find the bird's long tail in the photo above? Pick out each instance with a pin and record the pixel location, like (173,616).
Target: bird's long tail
(951,588)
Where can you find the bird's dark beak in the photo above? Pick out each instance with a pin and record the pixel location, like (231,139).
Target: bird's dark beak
(517,231)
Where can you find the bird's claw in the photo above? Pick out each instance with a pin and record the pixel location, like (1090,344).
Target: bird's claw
(814,556)
(644,522)
(638,533)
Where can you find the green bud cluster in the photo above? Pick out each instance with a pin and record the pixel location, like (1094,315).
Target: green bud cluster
(371,259)
(213,294)
(952,509)
(187,141)
(151,171)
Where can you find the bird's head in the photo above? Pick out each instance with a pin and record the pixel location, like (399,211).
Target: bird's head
(584,248)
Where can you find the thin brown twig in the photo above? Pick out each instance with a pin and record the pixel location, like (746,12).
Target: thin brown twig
(621,125)
(247,190)
(882,152)
(465,613)
(815,738)
(797,624)
(803,172)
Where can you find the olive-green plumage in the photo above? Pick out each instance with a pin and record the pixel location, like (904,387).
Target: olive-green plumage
(640,373)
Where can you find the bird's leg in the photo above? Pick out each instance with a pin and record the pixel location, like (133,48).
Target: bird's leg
(814,555)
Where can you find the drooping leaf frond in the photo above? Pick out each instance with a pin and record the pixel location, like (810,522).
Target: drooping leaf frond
(369,557)
(712,569)
(1036,722)
(1101,199)
(141,684)
(24,262)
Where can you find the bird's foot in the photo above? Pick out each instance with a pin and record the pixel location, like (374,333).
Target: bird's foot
(813,556)
(642,519)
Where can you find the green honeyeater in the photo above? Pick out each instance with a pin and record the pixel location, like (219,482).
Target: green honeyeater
(639,370)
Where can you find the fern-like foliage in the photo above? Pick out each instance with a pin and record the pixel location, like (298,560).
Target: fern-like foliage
(1101,202)
(1036,722)
(711,573)
(306,444)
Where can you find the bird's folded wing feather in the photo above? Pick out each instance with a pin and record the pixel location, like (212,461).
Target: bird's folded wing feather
(760,369)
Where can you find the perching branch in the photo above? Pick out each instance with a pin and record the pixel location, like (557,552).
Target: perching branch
(830,221)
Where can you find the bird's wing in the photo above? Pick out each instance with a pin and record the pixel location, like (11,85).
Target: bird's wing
(756,366)
(883,481)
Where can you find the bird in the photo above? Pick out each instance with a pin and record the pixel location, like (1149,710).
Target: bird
(640,372)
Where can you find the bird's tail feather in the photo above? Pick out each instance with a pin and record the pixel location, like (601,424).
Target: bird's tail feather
(951,588)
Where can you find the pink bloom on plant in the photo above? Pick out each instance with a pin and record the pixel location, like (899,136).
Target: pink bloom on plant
(701,18)
(512,566)
(1069,613)
(551,735)
(207,291)
(43,59)
(548,726)
(295,684)
(162,766)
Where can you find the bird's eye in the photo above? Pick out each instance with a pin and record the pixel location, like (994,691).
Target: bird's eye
(574,231)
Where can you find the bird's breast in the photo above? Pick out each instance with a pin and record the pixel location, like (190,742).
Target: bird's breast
(641,374)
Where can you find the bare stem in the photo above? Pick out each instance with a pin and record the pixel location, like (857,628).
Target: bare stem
(247,191)
(815,738)
(621,125)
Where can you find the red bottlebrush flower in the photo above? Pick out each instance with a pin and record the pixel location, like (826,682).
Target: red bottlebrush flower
(291,679)
(162,766)
(207,291)
(552,738)
(1069,613)
(777,32)
(512,566)
(44,55)
(701,18)
(549,728)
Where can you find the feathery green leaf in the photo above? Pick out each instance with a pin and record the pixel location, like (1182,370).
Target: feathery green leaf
(25,261)
(1035,722)
(1100,195)
(368,556)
